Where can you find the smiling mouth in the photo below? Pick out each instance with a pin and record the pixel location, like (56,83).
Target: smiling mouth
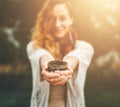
(59,31)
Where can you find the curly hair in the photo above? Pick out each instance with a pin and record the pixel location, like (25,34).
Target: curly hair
(42,35)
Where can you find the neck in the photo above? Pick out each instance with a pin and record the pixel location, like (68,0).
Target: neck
(62,40)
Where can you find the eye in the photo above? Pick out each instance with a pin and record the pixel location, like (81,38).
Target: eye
(63,18)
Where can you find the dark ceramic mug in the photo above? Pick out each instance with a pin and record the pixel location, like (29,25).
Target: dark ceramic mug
(57,65)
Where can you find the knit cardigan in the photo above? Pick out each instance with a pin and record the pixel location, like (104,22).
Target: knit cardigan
(75,87)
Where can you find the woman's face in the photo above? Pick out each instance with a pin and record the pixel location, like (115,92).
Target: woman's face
(62,20)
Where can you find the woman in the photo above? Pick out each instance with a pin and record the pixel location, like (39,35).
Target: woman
(54,38)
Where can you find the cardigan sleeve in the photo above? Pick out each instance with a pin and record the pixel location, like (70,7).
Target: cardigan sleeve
(84,52)
(34,57)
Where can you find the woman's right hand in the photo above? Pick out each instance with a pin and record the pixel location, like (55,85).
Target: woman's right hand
(53,78)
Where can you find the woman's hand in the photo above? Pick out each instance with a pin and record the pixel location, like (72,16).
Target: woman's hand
(64,77)
(67,73)
(57,77)
(54,78)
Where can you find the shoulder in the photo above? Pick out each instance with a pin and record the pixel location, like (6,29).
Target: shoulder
(30,44)
(30,47)
(84,45)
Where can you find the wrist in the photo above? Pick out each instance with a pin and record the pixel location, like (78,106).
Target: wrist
(44,61)
(72,61)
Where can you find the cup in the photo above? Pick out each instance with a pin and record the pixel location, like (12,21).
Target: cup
(57,65)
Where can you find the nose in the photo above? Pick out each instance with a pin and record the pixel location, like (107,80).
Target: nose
(57,23)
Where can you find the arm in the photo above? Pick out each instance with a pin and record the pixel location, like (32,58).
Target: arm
(51,77)
(72,65)
(83,51)
(35,56)
(39,59)
(72,61)
(81,56)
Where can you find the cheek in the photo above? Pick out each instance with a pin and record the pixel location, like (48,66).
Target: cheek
(68,23)
(67,26)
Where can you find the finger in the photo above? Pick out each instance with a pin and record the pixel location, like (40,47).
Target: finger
(67,72)
(54,80)
(45,65)
(62,82)
(50,75)
(69,76)
(69,67)
(45,75)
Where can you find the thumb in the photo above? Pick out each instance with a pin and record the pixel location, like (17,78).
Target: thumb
(45,65)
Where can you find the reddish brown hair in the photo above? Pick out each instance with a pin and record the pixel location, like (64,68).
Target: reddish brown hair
(42,36)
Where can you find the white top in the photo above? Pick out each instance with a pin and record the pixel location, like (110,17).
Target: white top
(75,86)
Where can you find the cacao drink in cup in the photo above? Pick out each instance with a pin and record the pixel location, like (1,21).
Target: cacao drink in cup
(57,65)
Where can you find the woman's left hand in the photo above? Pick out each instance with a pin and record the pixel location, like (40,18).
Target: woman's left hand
(67,73)
(60,81)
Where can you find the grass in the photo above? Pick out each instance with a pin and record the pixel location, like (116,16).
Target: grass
(15,90)
(101,97)
(100,91)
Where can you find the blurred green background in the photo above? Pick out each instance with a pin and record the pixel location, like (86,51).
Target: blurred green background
(96,21)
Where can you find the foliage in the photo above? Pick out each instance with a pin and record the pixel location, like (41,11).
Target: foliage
(15,89)
(19,16)
(101,88)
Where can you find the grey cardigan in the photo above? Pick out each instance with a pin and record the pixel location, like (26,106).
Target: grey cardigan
(75,87)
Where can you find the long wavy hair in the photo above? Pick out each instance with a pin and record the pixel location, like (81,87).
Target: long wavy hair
(42,35)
